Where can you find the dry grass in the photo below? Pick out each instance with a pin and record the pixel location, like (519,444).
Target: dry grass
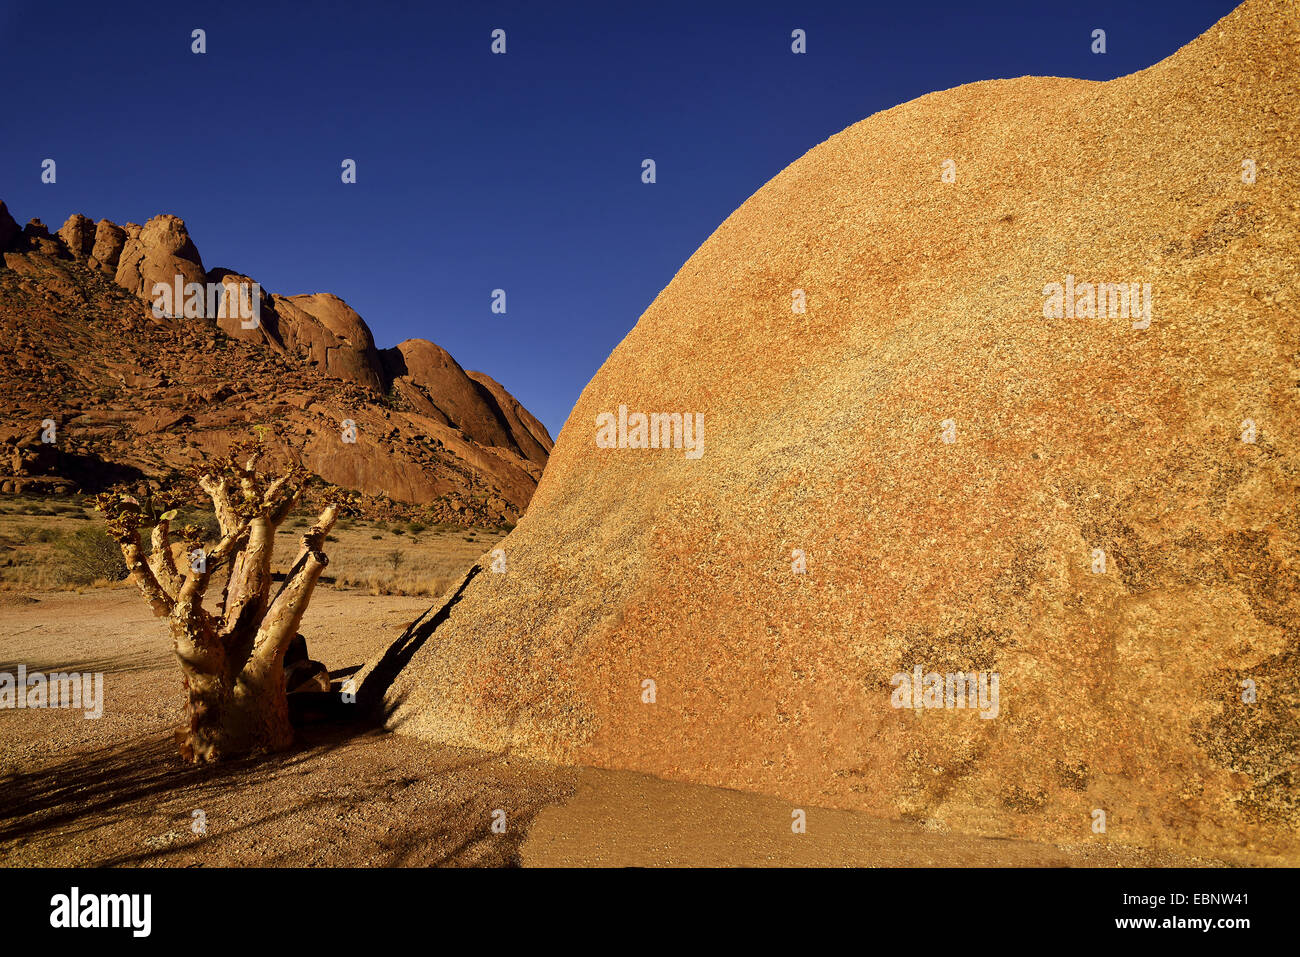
(377,558)
(31,531)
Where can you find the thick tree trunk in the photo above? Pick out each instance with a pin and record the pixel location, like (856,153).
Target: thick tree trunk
(225,721)
(229,714)
(261,709)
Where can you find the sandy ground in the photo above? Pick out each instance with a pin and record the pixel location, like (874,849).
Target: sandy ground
(626,819)
(111,791)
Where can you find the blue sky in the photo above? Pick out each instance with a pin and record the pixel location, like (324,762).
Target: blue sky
(477,171)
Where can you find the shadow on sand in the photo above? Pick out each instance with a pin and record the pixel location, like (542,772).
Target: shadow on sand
(91,799)
(374,688)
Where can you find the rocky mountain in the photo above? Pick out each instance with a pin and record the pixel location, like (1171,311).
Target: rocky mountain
(132,396)
(966,454)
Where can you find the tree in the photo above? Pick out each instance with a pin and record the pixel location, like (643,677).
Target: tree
(232,662)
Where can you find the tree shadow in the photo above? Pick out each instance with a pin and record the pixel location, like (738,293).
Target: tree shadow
(102,783)
(94,797)
(354,805)
(374,687)
(125,663)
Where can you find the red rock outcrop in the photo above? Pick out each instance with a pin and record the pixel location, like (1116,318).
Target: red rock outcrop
(162,251)
(78,234)
(36,236)
(328,333)
(435,385)
(110,240)
(137,397)
(529,434)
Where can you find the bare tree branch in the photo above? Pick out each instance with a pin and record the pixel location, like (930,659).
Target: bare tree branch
(247,594)
(162,561)
(284,615)
(218,490)
(159,600)
(196,582)
(279,511)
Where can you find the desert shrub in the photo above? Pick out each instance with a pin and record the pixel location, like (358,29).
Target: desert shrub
(29,534)
(376,537)
(399,531)
(89,554)
(205,520)
(415,528)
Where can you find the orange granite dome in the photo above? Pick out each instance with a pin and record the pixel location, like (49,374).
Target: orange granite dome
(1035,426)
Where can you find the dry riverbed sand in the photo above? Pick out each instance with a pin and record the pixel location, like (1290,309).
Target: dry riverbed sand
(112,791)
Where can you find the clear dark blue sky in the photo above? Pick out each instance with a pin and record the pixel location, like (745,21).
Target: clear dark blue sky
(478,171)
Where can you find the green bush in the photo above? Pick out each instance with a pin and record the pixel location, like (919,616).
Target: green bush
(89,554)
(26,534)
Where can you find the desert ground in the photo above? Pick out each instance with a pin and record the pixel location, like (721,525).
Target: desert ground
(112,791)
